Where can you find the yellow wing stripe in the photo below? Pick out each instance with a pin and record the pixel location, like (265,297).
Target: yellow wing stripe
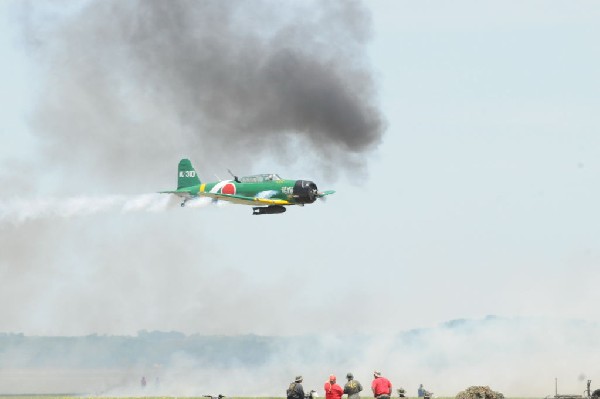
(202,186)
(272,201)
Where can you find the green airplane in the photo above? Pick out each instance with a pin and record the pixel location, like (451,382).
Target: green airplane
(267,193)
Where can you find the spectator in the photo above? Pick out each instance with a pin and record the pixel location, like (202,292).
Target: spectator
(296,390)
(333,390)
(381,386)
(352,387)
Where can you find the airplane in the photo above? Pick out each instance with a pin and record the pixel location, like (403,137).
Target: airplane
(267,193)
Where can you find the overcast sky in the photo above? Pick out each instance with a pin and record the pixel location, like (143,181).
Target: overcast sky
(463,144)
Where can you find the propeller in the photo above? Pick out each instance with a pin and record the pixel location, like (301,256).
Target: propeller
(313,192)
(307,192)
(322,195)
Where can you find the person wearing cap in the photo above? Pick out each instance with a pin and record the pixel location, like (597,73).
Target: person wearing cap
(352,387)
(381,386)
(295,390)
(423,393)
(333,390)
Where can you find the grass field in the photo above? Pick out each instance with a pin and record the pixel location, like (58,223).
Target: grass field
(71,396)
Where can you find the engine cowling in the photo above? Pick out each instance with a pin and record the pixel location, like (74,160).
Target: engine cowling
(305,192)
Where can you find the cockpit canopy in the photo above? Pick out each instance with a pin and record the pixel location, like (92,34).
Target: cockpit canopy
(260,178)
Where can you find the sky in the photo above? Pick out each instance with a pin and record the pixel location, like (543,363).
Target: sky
(461,139)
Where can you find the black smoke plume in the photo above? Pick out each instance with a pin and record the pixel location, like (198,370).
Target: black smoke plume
(131,85)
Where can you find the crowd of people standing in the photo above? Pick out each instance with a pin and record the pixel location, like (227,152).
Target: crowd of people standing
(381,388)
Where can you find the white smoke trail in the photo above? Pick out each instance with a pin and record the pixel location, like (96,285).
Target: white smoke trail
(147,203)
(200,202)
(18,211)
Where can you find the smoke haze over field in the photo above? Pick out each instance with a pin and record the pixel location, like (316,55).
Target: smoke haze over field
(519,357)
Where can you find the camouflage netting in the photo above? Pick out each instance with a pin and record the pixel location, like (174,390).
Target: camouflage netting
(479,393)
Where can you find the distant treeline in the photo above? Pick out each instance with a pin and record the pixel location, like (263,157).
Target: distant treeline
(160,348)
(147,348)
(98,351)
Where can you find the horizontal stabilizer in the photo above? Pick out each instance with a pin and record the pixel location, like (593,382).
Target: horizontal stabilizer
(179,193)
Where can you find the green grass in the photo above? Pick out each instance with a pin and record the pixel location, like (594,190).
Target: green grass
(71,396)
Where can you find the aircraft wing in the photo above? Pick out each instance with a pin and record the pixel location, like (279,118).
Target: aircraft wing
(268,201)
(241,199)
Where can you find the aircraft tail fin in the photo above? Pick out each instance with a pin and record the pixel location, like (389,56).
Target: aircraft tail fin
(186,175)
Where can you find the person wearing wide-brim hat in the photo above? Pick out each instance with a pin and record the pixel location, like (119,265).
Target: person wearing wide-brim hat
(295,390)
(352,387)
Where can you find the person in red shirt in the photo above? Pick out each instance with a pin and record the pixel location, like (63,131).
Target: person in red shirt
(381,386)
(333,390)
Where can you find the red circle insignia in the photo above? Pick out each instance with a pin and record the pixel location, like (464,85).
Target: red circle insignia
(229,188)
